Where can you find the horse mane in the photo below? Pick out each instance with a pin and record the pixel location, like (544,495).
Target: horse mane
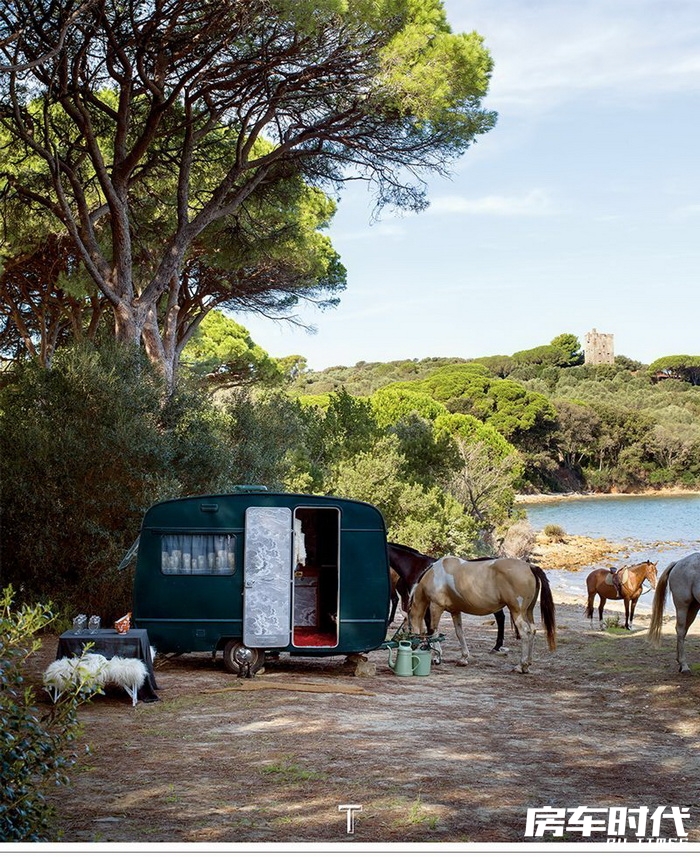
(406,548)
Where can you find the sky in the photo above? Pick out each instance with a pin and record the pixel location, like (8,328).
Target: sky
(579,210)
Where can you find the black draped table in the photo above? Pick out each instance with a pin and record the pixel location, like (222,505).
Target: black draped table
(133,644)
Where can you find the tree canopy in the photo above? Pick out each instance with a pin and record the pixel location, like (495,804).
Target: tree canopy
(183,116)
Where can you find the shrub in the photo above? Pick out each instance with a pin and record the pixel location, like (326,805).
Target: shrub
(33,747)
(555,532)
(85,448)
(519,540)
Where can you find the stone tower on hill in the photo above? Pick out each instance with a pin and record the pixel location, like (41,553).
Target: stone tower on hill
(598,348)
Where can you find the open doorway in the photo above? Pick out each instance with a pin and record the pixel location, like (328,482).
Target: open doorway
(315,599)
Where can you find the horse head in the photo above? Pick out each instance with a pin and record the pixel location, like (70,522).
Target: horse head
(650,573)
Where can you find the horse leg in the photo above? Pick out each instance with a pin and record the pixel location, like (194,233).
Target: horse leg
(527,641)
(589,606)
(685,616)
(633,604)
(394,605)
(601,605)
(459,631)
(500,618)
(418,609)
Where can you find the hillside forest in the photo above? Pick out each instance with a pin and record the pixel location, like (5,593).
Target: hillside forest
(442,446)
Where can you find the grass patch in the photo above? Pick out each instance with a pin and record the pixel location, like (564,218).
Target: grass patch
(288,770)
(616,630)
(418,814)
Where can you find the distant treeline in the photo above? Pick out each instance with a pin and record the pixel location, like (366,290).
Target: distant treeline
(441,446)
(622,426)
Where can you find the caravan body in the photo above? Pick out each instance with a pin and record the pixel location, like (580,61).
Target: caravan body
(259,571)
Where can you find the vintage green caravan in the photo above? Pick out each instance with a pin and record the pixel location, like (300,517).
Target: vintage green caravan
(257,571)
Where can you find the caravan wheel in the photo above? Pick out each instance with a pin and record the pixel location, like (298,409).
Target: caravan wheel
(241,659)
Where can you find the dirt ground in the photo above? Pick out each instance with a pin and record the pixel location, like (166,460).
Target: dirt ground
(455,757)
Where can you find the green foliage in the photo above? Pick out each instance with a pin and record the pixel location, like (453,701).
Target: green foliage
(428,519)
(565,442)
(262,435)
(336,428)
(542,355)
(484,486)
(34,747)
(429,456)
(223,351)
(391,404)
(85,448)
(506,405)
(500,365)
(570,348)
(683,367)
(364,379)
(214,198)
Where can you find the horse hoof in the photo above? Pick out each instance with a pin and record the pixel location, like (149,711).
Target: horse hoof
(462,662)
(502,651)
(684,669)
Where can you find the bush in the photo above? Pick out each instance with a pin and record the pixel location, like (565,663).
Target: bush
(519,540)
(85,448)
(33,747)
(555,532)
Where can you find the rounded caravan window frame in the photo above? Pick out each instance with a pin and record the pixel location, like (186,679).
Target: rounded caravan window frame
(194,533)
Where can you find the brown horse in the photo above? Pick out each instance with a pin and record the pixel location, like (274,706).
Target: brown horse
(631,577)
(407,566)
(483,586)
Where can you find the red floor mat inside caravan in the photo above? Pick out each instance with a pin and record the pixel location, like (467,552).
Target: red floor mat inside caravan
(309,637)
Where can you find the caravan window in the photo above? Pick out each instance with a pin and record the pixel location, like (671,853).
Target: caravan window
(184,553)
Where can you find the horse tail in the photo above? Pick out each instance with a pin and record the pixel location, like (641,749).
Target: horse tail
(657,608)
(546,606)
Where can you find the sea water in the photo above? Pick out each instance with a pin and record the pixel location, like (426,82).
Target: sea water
(662,528)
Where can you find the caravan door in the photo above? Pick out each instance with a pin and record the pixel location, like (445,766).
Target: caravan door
(267,577)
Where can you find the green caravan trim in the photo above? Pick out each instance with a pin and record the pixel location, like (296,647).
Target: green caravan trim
(283,572)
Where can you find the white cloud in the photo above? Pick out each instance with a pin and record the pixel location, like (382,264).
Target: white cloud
(691,210)
(535,203)
(548,51)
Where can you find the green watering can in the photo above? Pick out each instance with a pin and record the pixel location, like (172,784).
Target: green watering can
(407,662)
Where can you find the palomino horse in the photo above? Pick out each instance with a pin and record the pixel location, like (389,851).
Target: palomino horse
(683,579)
(631,579)
(482,586)
(409,565)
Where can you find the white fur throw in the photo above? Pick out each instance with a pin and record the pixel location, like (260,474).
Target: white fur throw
(93,672)
(88,672)
(128,673)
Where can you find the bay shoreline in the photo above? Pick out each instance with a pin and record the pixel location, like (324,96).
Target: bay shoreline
(594,495)
(569,551)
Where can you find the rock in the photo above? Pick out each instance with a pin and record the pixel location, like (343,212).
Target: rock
(365,669)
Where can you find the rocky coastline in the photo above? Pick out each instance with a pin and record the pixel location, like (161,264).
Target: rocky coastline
(574,552)
(597,495)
